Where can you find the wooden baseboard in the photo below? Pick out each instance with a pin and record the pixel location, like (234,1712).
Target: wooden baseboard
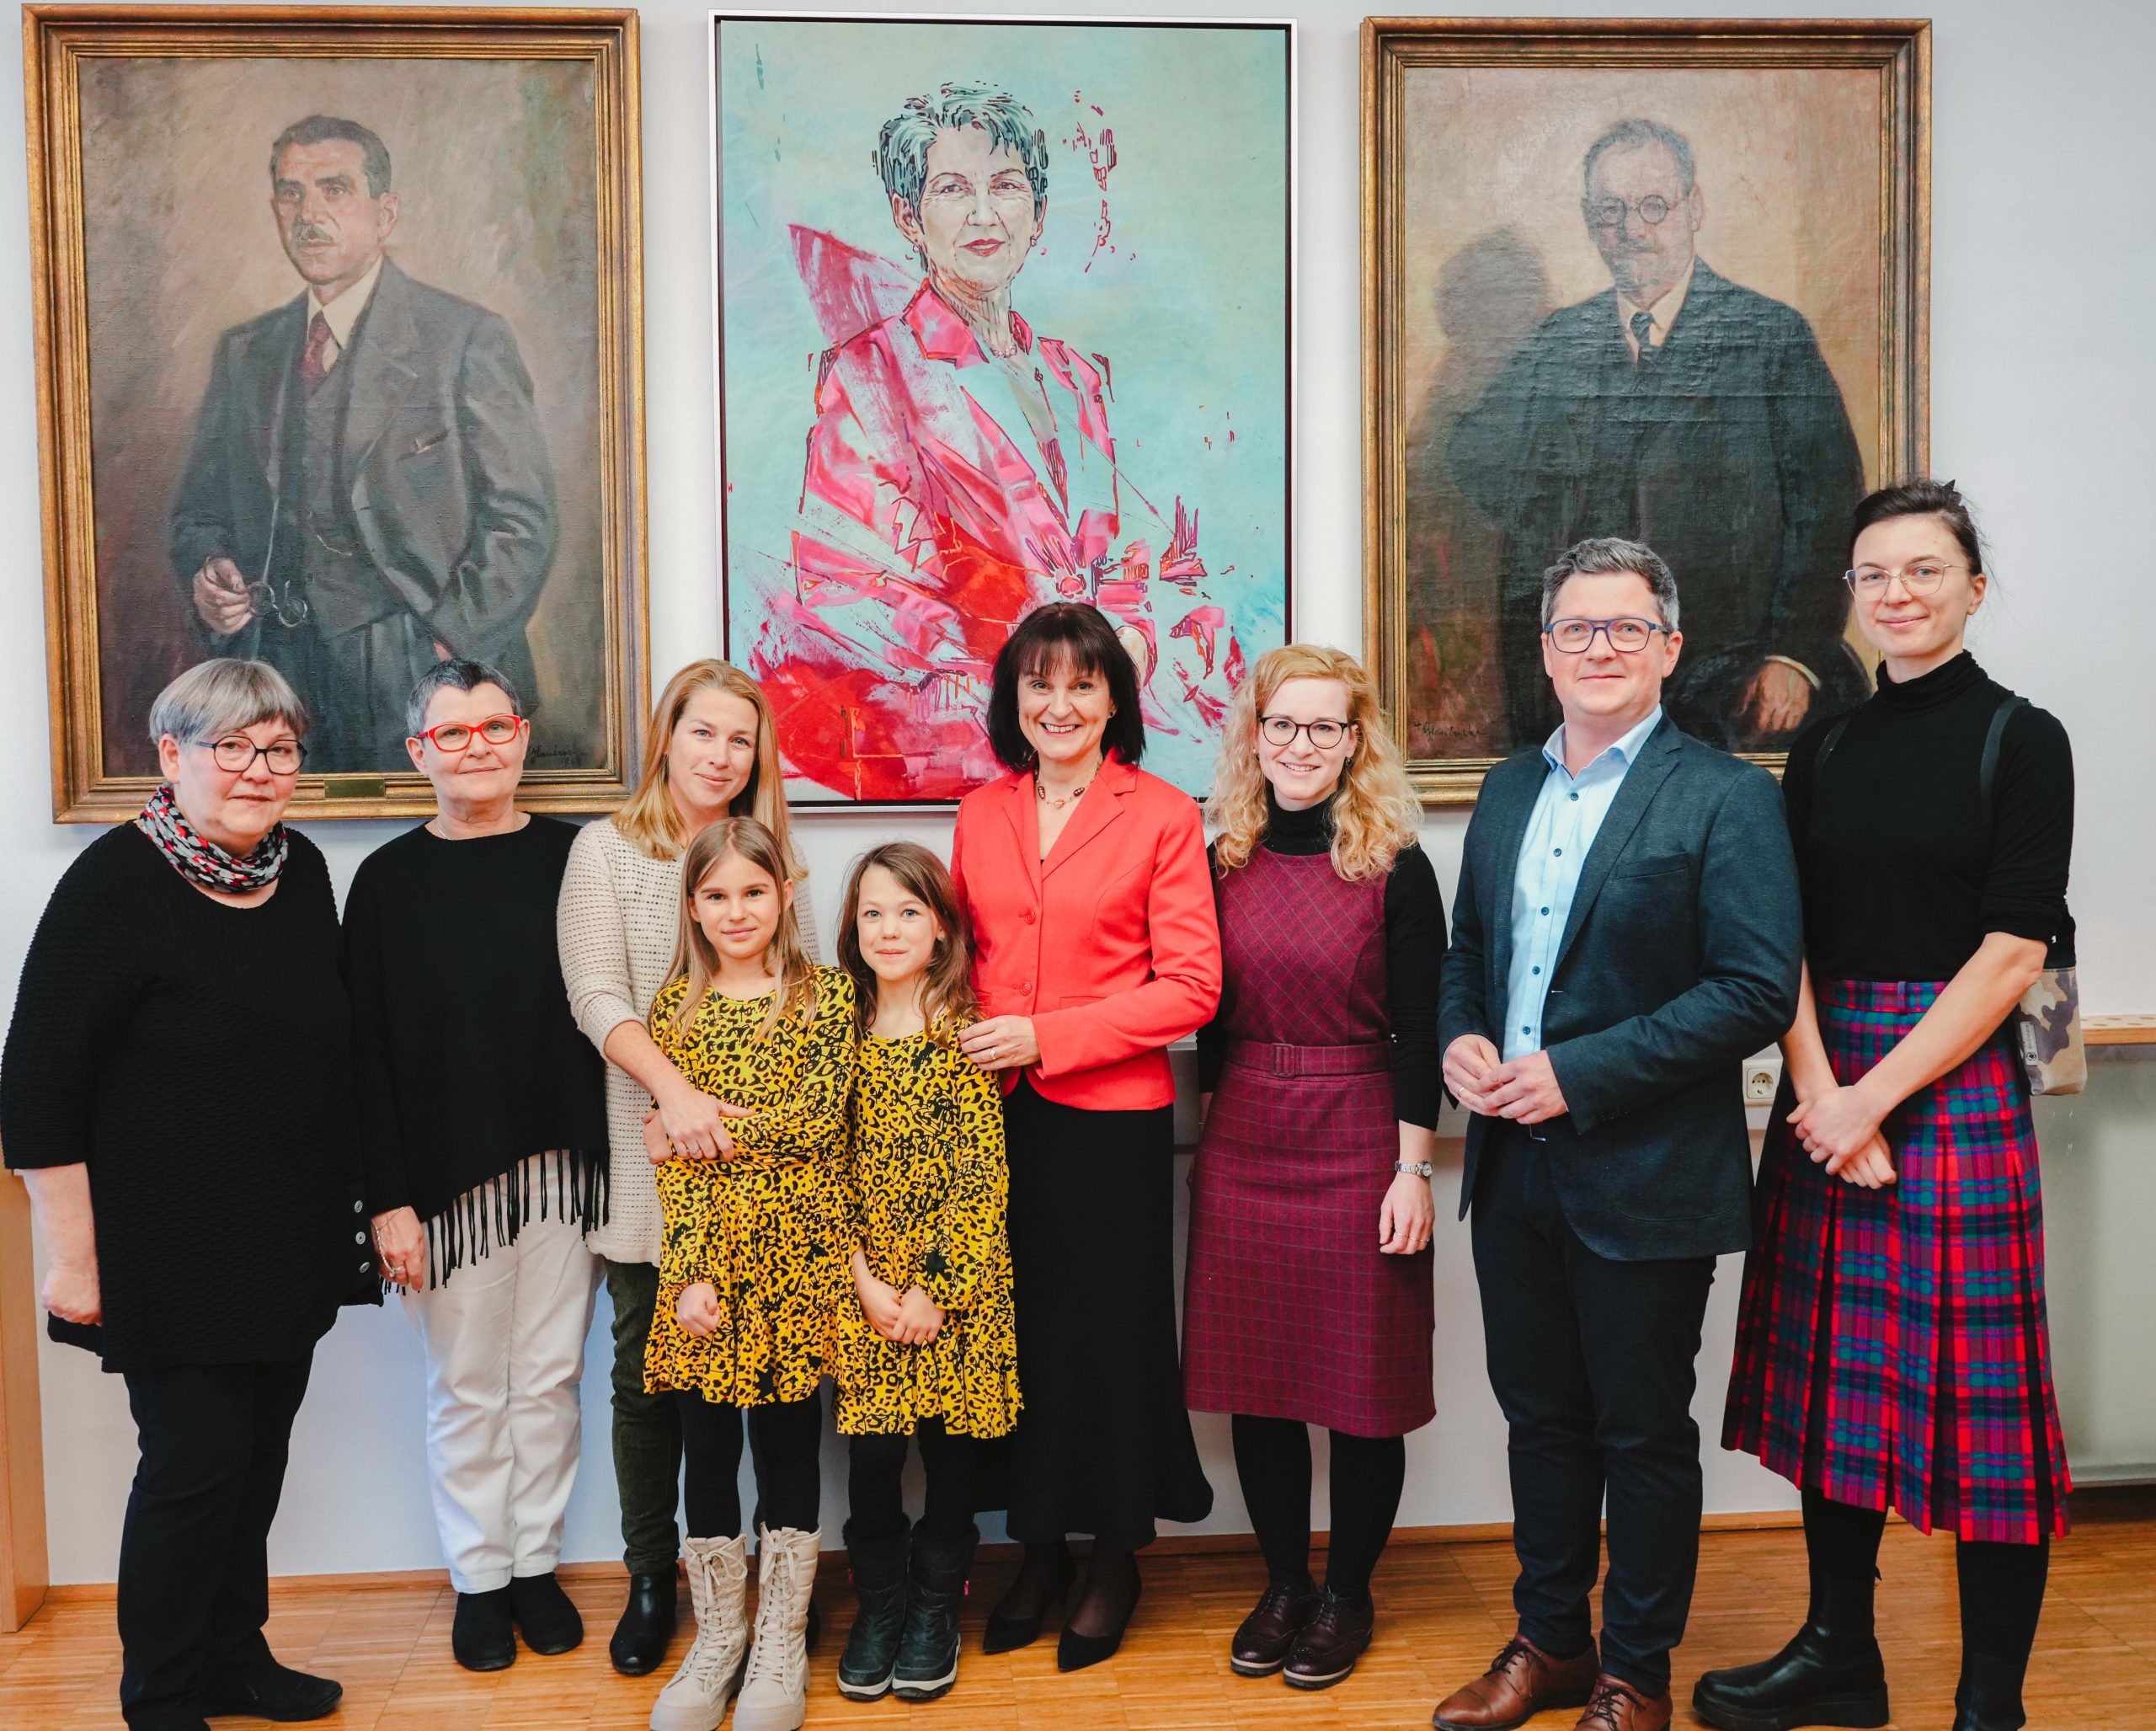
(1168,1544)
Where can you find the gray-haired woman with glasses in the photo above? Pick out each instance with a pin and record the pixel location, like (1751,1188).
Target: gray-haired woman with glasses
(178,1092)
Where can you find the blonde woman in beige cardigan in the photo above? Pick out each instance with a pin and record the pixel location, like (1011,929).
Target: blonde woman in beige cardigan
(710,752)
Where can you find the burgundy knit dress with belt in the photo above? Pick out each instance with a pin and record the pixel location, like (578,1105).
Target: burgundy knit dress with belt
(1290,1310)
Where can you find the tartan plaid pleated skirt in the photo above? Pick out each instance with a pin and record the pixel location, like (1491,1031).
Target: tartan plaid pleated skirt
(1891,1350)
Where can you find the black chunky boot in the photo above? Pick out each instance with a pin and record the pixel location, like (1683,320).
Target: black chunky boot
(1989,1698)
(878,1565)
(935,1583)
(1832,1673)
(646,1624)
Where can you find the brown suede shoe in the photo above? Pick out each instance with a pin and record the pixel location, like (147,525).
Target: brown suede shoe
(1619,1706)
(1522,1681)
(1262,1643)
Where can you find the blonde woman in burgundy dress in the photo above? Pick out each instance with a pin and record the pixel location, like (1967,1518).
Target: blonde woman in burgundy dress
(1309,1296)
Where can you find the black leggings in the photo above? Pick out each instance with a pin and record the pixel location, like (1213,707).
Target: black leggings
(784,1440)
(876,1506)
(2002,1585)
(1272,1461)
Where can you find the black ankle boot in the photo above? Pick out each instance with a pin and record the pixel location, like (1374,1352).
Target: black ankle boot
(1832,1673)
(1989,1698)
(878,1564)
(646,1624)
(936,1585)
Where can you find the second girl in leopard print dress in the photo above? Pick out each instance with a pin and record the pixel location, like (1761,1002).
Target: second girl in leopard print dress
(752,1272)
(929,1353)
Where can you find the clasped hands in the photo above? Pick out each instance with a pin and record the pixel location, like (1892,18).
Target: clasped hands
(1525,1090)
(908,1318)
(1840,1131)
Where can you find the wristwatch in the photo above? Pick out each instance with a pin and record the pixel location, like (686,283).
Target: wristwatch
(1413,1168)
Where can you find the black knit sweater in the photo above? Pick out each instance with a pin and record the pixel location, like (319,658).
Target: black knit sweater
(469,1060)
(197,1056)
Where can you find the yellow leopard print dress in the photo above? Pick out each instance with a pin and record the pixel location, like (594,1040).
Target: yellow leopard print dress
(768,1228)
(927,1185)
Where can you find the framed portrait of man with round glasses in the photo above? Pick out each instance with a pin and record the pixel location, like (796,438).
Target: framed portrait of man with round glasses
(1653,279)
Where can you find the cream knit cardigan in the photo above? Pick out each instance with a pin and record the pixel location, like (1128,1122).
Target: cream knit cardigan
(616,924)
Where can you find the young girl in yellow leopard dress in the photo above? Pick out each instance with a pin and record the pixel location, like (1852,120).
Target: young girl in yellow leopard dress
(753,1272)
(929,1353)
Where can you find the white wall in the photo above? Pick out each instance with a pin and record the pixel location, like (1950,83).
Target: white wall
(2043,275)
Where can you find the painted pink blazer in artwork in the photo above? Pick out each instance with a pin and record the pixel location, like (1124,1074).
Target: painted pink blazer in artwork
(926,533)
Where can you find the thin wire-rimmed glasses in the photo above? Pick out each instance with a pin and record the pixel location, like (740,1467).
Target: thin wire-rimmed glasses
(1922,578)
(1280,730)
(454,736)
(235,754)
(1576,637)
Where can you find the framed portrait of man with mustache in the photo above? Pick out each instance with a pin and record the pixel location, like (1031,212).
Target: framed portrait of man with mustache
(1649,279)
(338,371)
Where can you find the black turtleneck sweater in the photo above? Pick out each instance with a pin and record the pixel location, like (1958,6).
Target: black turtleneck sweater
(1903,878)
(1415,955)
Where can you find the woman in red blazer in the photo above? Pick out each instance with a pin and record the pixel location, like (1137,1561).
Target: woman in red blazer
(1094,946)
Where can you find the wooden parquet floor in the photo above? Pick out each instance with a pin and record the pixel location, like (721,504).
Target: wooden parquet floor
(1443,1610)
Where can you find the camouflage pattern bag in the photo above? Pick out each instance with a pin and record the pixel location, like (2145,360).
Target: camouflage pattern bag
(2047,1028)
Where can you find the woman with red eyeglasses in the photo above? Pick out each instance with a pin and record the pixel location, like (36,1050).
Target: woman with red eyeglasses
(482,1116)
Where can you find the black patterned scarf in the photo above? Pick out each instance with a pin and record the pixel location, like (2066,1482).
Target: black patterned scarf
(199,860)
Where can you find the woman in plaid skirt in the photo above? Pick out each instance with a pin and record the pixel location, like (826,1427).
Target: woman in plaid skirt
(1307,1295)
(1892,1347)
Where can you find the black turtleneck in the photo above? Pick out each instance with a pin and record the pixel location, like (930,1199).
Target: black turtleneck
(1415,954)
(1902,878)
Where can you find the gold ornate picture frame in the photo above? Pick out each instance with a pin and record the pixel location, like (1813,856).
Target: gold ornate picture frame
(1753,197)
(449,462)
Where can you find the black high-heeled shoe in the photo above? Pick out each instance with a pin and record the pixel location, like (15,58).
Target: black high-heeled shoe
(1006,1634)
(1074,1652)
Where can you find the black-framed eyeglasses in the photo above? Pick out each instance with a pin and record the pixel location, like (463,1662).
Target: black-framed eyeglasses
(235,754)
(1922,578)
(453,736)
(1280,730)
(1610,212)
(1576,637)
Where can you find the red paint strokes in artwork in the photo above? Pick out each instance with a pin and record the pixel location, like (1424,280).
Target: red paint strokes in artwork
(1101,158)
(1202,625)
(1234,667)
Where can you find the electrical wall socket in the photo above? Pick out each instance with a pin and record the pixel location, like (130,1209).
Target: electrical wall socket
(1763,1075)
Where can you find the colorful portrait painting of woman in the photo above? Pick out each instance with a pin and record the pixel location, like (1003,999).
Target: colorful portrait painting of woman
(985,344)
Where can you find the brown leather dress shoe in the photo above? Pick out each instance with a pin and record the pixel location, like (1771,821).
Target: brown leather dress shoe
(1262,1643)
(1619,1706)
(1522,1681)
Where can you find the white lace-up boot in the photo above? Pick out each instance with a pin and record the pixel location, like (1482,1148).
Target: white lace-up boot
(718,1590)
(774,1688)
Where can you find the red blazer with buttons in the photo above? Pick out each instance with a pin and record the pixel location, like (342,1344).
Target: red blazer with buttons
(1111,945)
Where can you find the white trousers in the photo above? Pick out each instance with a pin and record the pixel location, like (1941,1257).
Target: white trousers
(505,1347)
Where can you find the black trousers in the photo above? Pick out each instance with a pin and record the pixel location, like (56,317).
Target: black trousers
(1591,1362)
(785,1439)
(876,1499)
(194,1551)
(647,1427)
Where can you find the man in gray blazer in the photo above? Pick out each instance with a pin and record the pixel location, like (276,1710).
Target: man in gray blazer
(1626,931)
(368,490)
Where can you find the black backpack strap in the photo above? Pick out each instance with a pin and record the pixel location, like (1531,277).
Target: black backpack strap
(1987,767)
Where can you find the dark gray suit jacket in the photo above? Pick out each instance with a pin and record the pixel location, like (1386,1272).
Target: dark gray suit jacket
(1681,958)
(443,459)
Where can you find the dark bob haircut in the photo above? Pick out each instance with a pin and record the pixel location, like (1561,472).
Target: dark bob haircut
(1921,498)
(1064,634)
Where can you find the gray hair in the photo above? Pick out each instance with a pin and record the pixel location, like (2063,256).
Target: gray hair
(214,698)
(455,674)
(902,150)
(327,129)
(1608,556)
(1634,135)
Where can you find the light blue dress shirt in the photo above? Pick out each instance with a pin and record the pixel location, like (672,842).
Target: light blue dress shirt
(1566,818)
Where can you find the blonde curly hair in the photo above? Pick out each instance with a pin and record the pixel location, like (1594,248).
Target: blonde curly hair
(1374,811)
